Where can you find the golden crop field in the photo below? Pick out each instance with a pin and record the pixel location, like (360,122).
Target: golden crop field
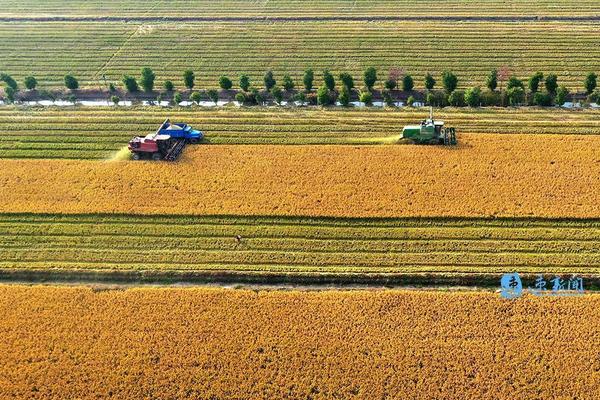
(486,175)
(96,133)
(469,48)
(216,343)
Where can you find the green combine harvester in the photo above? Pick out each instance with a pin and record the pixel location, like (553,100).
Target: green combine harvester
(430,132)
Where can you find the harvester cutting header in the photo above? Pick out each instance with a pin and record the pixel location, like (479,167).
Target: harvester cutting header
(167,143)
(430,131)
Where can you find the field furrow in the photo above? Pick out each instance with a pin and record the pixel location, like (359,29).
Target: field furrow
(297,8)
(103,243)
(469,49)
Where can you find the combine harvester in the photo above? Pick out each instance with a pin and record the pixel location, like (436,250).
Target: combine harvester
(430,132)
(167,143)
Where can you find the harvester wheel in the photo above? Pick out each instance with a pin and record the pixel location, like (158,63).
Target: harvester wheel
(156,156)
(136,156)
(194,141)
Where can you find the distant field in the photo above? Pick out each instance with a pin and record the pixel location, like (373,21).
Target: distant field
(166,245)
(485,175)
(296,8)
(215,343)
(90,133)
(469,49)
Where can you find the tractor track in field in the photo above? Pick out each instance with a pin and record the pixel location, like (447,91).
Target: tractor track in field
(424,18)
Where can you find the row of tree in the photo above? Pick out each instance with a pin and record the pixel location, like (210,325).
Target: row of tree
(516,90)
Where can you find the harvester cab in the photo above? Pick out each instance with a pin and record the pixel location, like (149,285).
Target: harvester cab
(167,143)
(430,131)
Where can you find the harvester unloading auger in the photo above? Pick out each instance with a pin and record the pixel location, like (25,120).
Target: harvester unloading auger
(430,131)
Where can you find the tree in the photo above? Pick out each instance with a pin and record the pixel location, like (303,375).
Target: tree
(590,82)
(9,81)
(407,83)
(115,100)
(288,82)
(177,98)
(240,97)
(551,83)
(300,98)
(430,99)
(309,77)
(370,77)
(9,94)
(387,98)
(561,95)
(112,88)
(269,80)
(542,99)
(225,83)
(514,82)
(196,97)
(323,97)
(169,86)
(258,97)
(147,80)
(130,84)
(344,98)
(594,97)
(491,80)
(457,98)
(366,98)
(450,81)
(515,95)
(213,94)
(534,81)
(473,97)
(429,82)
(30,82)
(503,74)
(71,82)
(390,84)
(410,101)
(490,98)
(188,79)
(244,82)
(347,80)
(328,80)
(277,94)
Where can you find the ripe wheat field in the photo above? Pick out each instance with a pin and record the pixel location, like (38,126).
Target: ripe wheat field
(92,133)
(215,343)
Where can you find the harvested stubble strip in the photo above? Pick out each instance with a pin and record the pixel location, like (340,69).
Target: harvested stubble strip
(294,8)
(469,49)
(216,343)
(491,175)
